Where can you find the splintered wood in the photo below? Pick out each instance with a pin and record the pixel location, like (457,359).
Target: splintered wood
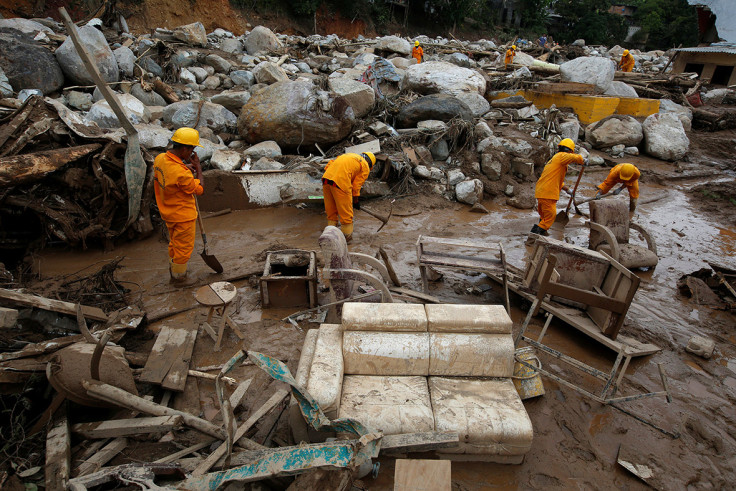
(422,475)
(168,363)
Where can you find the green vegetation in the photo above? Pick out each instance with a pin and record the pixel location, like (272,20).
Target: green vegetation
(668,23)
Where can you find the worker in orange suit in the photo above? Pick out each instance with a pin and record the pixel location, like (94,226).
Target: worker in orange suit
(509,58)
(175,187)
(552,180)
(628,176)
(627,62)
(341,183)
(417,52)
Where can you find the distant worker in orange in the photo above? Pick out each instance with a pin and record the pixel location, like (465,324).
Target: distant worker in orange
(509,58)
(175,187)
(417,52)
(552,180)
(627,62)
(341,183)
(628,176)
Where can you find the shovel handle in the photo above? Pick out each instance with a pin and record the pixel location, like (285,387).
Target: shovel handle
(574,189)
(201,223)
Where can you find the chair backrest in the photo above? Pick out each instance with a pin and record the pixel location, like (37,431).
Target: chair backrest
(335,253)
(612,214)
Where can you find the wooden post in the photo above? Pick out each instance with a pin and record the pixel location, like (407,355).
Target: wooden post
(58,452)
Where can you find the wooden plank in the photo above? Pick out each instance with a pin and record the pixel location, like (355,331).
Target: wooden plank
(422,475)
(102,457)
(184,452)
(458,242)
(591,299)
(176,379)
(169,347)
(127,427)
(460,263)
(415,294)
(44,303)
(188,400)
(215,456)
(389,267)
(58,452)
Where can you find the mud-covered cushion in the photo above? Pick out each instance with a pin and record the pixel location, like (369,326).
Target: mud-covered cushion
(325,374)
(490,319)
(385,353)
(397,317)
(471,355)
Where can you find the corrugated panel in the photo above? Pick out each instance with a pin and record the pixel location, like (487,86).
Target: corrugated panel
(728,48)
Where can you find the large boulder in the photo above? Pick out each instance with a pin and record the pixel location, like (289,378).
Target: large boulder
(589,70)
(153,135)
(477,103)
(102,114)
(393,44)
(440,107)
(268,72)
(194,34)
(233,100)
(28,65)
(437,76)
(360,96)
(664,137)
(213,116)
(26,26)
(614,130)
(469,192)
(242,78)
(125,59)
(294,113)
(149,98)
(232,46)
(96,44)
(685,114)
(621,89)
(226,160)
(261,40)
(269,149)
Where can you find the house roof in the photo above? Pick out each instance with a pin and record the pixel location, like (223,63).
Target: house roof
(729,48)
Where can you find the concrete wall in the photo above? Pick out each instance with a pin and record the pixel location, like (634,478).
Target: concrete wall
(725,11)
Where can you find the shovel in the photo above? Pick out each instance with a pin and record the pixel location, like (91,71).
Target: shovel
(209,259)
(562,217)
(377,216)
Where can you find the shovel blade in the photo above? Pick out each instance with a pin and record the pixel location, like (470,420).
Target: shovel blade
(212,262)
(562,218)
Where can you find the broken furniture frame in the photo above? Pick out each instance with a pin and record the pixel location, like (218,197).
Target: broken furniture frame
(456,261)
(613,379)
(286,290)
(218,296)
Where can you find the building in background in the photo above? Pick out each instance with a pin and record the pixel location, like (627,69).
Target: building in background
(716,62)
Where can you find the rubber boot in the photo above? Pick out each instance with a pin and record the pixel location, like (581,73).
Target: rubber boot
(171,267)
(332,223)
(347,230)
(179,276)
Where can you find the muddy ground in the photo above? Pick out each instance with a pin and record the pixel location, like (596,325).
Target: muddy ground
(576,441)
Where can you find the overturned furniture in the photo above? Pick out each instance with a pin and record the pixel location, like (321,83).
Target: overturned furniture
(406,368)
(289,279)
(609,232)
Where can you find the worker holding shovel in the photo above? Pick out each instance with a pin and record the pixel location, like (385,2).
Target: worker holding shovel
(552,180)
(175,187)
(341,183)
(628,176)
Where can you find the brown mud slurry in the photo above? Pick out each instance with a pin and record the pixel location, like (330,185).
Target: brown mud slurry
(576,441)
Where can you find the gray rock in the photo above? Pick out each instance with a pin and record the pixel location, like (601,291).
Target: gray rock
(220,64)
(621,89)
(261,40)
(374,189)
(491,167)
(570,128)
(184,59)
(303,67)
(460,59)
(614,130)
(151,98)
(436,76)
(295,113)
(81,101)
(211,82)
(125,60)
(477,103)
(522,202)
(522,169)
(455,176)
(27,64)
(579,42)
(439,149)
(233,100)
(597,160)
(664,137)
(360,96)
(187,77)
(436,174)
(631,150)
(96,44)
(482,130)
(242,78)
(193,34)
(213,116)
(200,74)
(701,346)
(441,107)
(589,70)
(226,160)
(248,60)
(683,113)
(713,96)
(422,172)
(234,46)
(207,149)
(267,72)
(509,191)
(24,94)
(134,110)
(432,125)
(618,149)
(264,163)
(6,90)
(269,149)
(150,65)
(26,26)
(153,135)
(365,59)
(516,147)
(393,44)
(469,192)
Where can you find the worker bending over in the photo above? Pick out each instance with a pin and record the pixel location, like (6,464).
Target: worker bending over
(628,176)
(627,62)
(509,58)
(552,180)
(417,52)
(341,183)
(175,187)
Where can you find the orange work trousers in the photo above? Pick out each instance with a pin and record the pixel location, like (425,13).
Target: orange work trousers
(547,209)
(181,240)
(338,204)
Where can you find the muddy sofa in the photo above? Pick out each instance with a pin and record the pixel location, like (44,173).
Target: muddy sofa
(405,368)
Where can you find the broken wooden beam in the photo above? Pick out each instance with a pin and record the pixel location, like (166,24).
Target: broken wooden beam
(101,457)
(58,452)
(127,474)
(127,427)
(68,308)
(20,169)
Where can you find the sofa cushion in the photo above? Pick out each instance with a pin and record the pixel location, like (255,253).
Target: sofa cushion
(398,317)
(385,353)
(491,319)
(471,355)
(393,405)
(487,414)
(325,374)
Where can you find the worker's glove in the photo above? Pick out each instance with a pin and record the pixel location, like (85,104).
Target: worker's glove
(586,161)
(597,195)
(356,202)
(618,191)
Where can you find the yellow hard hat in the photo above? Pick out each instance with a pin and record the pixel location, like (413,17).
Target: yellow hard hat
(186,136)
(369,158)
(416,43)
(567,143)
(513,47)
(626,52)
(627,171)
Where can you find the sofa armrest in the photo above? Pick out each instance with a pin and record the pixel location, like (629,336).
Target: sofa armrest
(326,372)
(651,245)
(608,238)
(365,259)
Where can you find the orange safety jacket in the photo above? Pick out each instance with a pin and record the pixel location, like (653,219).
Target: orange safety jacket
(614,177)
(627,63)
(553,176)
(417,53)
(348,172)
(510,53)
(175,187)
